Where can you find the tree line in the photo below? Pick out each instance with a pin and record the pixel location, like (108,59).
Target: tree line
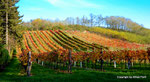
(113,22)
(85,22)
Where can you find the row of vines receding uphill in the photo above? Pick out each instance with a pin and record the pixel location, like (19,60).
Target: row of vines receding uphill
(108,42)
(52,48)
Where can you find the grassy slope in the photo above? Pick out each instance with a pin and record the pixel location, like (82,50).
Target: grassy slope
(132,37)
(11,73)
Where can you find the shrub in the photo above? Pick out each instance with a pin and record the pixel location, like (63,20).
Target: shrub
(14,52)
(4,56)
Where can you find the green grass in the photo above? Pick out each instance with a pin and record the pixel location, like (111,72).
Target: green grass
(45,74)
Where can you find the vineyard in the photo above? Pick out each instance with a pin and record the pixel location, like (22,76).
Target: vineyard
(58,41)
(47,41)
(54,47)
(113,43)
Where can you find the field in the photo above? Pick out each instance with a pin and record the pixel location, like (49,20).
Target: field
(54,46)
(44,74)
(74,41)
(52,40)
(70,54)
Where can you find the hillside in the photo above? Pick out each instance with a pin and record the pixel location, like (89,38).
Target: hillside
(128,36)
(50,49)
(112,43)
(47,41)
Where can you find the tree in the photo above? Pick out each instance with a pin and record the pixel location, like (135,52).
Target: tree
(36,24)
(1,28)
(92,17)
(70,20)
(77,21)
(10,22)
(99,20)
(122,23)
(83,21)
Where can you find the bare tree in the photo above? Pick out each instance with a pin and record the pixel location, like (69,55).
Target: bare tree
(92,17)
(77,21)
(99,20)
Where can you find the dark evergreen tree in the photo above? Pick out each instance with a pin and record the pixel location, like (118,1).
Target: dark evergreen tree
(10,21)
(1,28)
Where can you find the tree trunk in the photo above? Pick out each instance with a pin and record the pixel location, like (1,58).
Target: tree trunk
(7,25)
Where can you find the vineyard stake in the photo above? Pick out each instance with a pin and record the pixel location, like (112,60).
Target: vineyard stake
(74,63)
(95,64)
(102,61)
(70,62)
(132,64)
(29,64)
(114,64)
(102,64)
(42,63)
(129,64)
(38,61)
(80,64)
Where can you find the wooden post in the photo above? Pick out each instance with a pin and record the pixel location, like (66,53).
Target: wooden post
(87,63)
(84,64)
(42,63)
(38,61)
(29,64)
(114,64)
(102,61)
(107,63)
(95,64)
(102,64)
(129,63)
(70,62)
(132,63)
(80,64)
(74,63)
(125,63)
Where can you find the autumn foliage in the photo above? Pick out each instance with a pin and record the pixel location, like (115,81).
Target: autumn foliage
(57,50)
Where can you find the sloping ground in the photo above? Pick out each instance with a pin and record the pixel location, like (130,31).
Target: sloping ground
(143,38)
(47,41)
(108,42)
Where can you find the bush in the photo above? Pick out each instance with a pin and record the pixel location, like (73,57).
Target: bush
(14,52)
(4,56)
